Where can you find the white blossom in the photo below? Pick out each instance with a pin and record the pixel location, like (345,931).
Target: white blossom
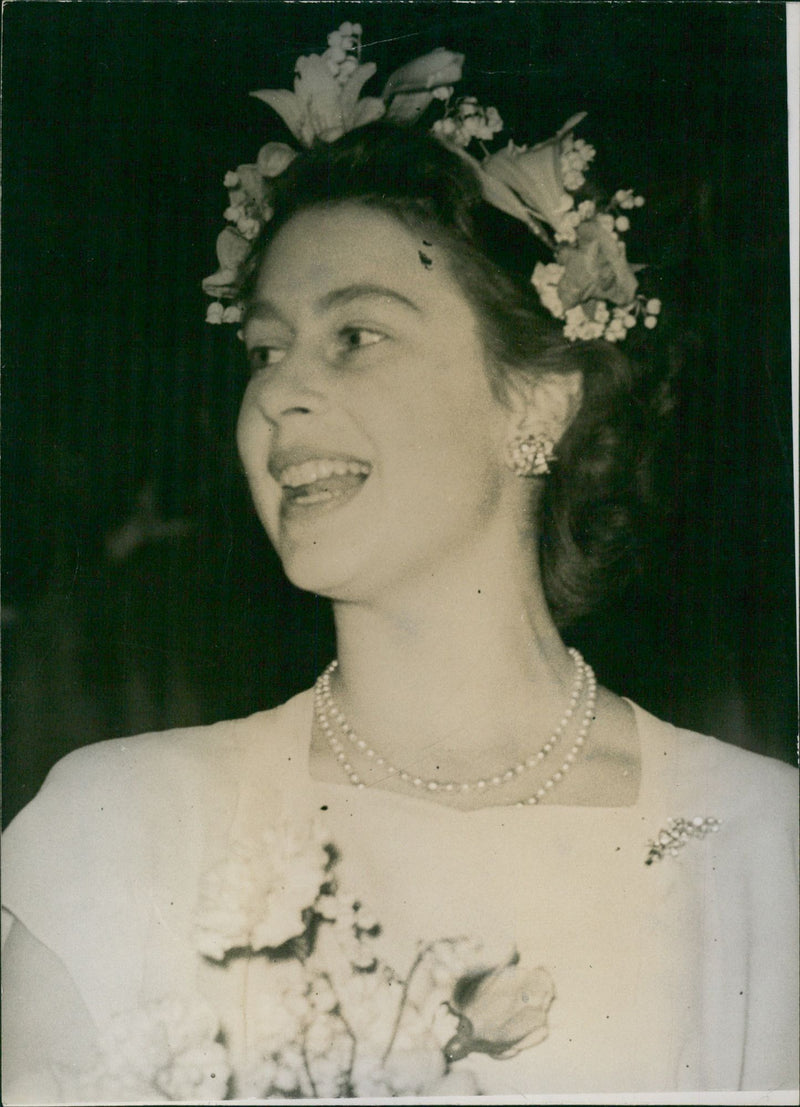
(255,898)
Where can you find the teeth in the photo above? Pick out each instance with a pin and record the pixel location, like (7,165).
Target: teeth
(295,476)
(317,497)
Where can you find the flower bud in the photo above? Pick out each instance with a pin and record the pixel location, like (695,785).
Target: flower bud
(273,158)
(500,1012)
(439,67)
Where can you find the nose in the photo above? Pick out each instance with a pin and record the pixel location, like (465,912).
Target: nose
(293,386)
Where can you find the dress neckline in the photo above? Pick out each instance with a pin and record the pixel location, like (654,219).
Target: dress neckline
(303,705)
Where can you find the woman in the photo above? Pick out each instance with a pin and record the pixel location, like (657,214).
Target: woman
(457,866)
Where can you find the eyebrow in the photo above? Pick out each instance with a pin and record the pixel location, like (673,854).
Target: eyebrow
(351,292)
(265,309)
(262,309)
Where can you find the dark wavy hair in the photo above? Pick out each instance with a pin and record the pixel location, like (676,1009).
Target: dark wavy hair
(592,505)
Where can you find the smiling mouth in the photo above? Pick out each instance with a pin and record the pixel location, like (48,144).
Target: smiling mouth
(322,481)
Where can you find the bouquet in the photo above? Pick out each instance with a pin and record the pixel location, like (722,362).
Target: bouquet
(331,1018)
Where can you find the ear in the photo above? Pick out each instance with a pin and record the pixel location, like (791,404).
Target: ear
(546,404)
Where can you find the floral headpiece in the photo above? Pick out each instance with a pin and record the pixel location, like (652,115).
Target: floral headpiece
(589,284)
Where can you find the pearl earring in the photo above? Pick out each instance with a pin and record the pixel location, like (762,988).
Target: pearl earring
(531,455)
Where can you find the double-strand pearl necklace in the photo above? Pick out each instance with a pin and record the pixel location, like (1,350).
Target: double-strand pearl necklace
(331,719)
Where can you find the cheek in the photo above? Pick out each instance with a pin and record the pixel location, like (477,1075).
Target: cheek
(449,441)
(250,430)
(461,417)
(253,444)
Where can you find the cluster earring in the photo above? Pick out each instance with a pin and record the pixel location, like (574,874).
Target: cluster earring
(531,455)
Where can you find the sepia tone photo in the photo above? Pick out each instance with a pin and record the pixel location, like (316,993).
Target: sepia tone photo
(399,609)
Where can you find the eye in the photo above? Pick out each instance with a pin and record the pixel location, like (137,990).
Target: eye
(352,339)
(262,357)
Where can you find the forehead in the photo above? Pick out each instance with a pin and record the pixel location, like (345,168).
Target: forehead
(328,247)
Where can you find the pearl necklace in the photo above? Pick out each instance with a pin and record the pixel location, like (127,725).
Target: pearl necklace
(330,718)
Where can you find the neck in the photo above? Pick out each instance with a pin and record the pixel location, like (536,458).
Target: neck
(468,669)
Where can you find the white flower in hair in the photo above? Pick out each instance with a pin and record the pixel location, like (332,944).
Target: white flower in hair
(468,121)
(545,280)
(325,102)
(528,184)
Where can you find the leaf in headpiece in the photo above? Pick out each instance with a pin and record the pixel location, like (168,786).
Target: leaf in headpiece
(494,191)
(502,197)
(232,249)
(408,106)
(570,125)
(439,67)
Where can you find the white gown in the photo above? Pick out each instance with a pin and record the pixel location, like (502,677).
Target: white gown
(674,975)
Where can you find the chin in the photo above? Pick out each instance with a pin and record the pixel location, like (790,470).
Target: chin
(330,574)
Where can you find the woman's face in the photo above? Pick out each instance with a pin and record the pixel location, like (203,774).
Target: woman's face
(371,440)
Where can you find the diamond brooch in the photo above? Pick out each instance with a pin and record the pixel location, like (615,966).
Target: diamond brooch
(670,841)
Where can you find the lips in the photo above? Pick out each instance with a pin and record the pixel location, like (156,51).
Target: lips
(321,480)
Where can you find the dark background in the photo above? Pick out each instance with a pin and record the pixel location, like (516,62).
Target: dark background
(138,590)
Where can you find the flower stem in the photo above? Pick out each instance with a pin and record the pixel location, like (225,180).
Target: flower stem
(403,999)
(307,1066)
(350,1033)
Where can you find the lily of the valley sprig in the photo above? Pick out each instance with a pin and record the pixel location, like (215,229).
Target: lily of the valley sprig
(589,284)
